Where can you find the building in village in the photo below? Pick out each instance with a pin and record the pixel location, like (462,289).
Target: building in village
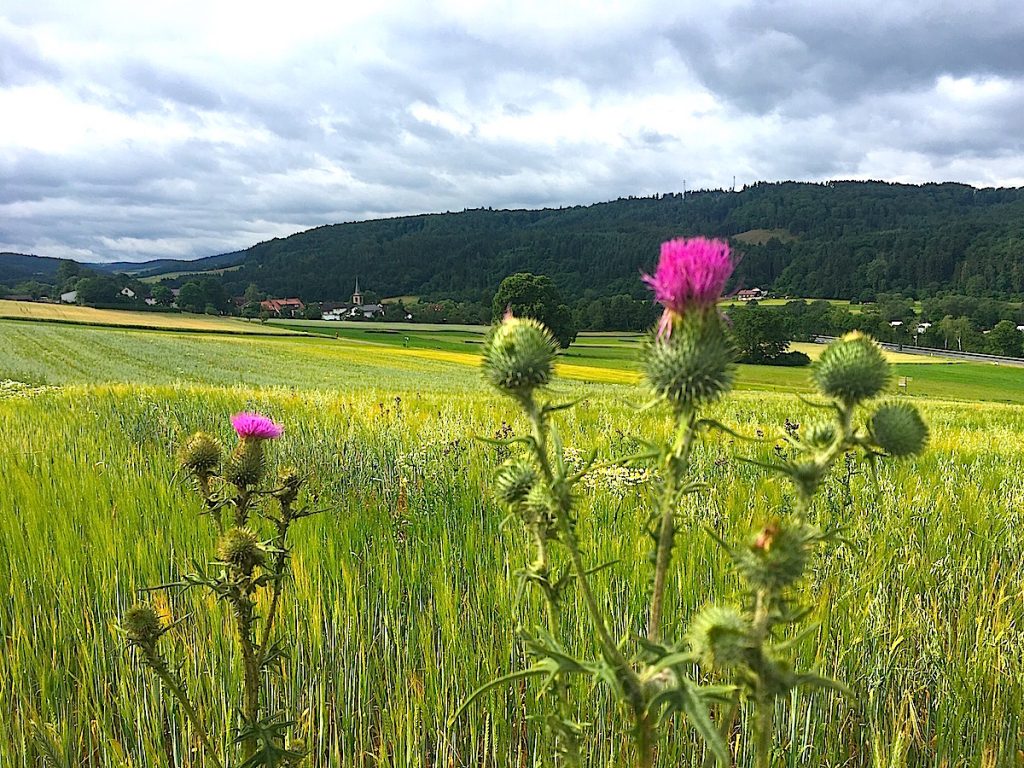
(283,307)
(751,294)
(351,310)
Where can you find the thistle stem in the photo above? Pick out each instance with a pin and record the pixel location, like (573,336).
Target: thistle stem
(158,666)
(676,465)
(275,595)
(627,676)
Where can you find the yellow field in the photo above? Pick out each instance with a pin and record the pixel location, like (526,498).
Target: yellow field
(814,350)
(70,313)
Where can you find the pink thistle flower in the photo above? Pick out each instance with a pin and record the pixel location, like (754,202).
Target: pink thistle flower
(256,426)
(691,275)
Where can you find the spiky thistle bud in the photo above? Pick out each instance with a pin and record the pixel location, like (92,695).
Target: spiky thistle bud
(777,555)
(851,369)
(898,429)
(289,481)
(513,482)
(241,548)
(720,636)
(246,465)
(519,355)
(819,435)
(693,364)
(200,454)
(807,475)
(142,624)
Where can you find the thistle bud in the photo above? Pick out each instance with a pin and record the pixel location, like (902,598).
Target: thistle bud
(820,435)
(806,475)
(721,637)
(519,355)
(200,454)
(288,484)
(514,481)
(898,429)
(142,624)
(241,548)
(777,554)
(693,364)
(851,369)
(246,465)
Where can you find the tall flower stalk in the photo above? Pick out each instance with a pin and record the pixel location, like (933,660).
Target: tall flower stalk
(247,567)
(688,364)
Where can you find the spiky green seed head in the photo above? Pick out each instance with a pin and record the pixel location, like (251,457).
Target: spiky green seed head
(819,435)
(241,548)
(289,481)
(514,481)
(246,465)
(691,365)
(201,454)
(851,369)
(142,624)
(898,429)
(807,475)
(777,554)
(721,637)
(519,355)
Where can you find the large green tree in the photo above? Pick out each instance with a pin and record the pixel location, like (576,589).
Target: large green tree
(528,295)
(760,336)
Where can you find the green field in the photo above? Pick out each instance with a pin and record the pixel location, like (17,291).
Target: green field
(400,608)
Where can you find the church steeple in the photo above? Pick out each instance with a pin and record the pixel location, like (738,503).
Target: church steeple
(357,296)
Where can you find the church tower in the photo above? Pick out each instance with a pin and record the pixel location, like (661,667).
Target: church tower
(357,296)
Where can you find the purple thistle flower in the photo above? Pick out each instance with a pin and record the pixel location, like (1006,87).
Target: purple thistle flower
(691,274)
(256,426)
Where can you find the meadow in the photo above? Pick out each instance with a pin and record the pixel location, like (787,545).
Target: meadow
(404,598)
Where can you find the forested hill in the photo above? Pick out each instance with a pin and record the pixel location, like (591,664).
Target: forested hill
(840,239)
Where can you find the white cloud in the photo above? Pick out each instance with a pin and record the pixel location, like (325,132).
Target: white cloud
(191,128)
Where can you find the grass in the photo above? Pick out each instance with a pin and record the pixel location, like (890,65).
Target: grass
(404,601)
(73,314)
(435,359)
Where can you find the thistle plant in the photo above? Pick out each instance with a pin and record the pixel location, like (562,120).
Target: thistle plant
(730,658)
(249,569)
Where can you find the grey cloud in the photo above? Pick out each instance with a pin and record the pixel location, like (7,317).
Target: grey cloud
(797,57)
(21,61)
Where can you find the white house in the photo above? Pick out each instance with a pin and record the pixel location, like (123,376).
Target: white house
(69,298)
(126,291)
(751,294)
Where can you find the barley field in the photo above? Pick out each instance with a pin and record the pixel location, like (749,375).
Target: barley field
(404,597)
(74,314)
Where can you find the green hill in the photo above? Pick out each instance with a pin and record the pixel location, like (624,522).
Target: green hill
(837,240)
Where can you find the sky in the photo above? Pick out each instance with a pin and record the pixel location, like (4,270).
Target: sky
(140,130)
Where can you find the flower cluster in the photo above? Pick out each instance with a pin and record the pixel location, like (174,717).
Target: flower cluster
(691,275)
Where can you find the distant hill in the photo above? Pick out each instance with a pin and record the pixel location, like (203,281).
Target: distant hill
(837,240)
(18,267)
(166,266)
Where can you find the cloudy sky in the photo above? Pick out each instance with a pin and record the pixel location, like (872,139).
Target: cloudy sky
(136,130)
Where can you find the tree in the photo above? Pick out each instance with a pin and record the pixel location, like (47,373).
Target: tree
(1005,339)
(98,289)
(760,335)
(192,297)
(162,295)
(527,295)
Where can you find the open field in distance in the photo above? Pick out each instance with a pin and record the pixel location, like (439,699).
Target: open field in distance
(72,313)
